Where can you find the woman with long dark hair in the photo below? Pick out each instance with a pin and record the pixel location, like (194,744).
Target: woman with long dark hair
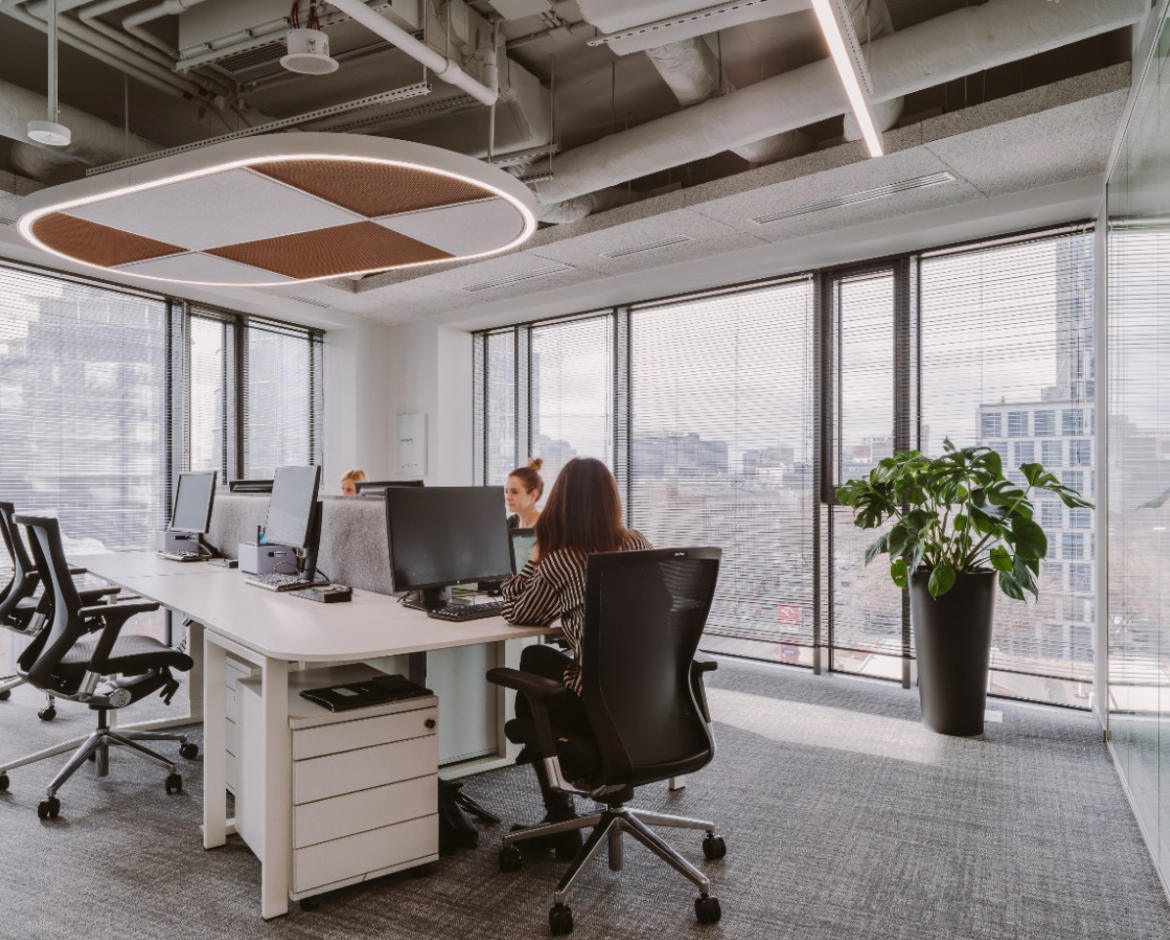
(583,515)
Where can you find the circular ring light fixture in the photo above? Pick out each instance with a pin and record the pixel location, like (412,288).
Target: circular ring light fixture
(282,209)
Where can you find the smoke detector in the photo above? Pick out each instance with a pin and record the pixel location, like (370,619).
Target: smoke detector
(50,133)
(308,53)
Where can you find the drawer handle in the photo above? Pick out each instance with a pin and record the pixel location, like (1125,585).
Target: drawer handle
(430,722)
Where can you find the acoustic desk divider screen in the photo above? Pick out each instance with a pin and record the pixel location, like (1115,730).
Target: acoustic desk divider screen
(352,549)
(194,497)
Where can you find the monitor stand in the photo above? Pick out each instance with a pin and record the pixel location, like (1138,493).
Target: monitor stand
(428,598)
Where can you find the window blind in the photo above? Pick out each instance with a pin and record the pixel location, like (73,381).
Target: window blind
(500,391)
(1006,351)
(83,394)
(208,391)
(720,451)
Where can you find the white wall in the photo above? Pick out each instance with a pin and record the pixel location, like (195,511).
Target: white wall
(373,374)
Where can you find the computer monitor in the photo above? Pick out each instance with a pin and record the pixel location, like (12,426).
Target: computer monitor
(291,508)
(193,499)
(250,486)
(523,543)
(445,535)
(376,487)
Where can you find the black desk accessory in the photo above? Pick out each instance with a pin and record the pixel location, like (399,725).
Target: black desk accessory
(325,593)
(378,691)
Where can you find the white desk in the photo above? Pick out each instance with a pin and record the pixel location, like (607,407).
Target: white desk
(270,630)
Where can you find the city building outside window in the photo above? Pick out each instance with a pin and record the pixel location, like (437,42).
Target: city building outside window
(1051,515)
(1051,452)
(1080,577)
(1080,453)
(1079,519)
(1072,421)
(1017,424)
(1025,452)
(992,424)
(1072,545)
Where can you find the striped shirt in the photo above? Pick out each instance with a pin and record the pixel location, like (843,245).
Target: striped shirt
(552,588)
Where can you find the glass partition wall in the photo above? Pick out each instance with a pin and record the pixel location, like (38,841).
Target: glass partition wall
(1138,456)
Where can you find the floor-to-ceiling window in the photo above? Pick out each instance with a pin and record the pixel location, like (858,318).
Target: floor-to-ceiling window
(729,418)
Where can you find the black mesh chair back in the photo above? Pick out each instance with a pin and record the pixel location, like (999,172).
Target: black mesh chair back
(645,613)
(23,583)
(65,625)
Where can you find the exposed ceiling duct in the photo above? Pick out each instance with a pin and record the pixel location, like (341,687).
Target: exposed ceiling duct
(922,56)
(94,141)
(636,27)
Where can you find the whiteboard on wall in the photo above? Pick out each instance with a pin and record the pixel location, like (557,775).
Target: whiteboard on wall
(412,445)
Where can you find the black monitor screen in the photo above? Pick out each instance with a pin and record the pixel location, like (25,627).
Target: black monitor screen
(443,535)
(375,487)
(290,510)
(193,498)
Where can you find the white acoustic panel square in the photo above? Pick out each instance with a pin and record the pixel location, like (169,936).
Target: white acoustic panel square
(460,230)
(191,214)
(202,268)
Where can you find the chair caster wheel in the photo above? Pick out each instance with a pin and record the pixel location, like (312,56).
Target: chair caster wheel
(560,920)
(510,858)
(174,784)
(189,751)
(5,695)
(707,909)
(3,783)
(49,809)
(309,904)
(47,714)
(714,847)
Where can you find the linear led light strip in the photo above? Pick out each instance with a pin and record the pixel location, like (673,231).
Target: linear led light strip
(649,246)
(838,30)
(517,278)
(867,195)
(28,220)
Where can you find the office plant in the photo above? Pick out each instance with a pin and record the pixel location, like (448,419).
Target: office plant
(959,526)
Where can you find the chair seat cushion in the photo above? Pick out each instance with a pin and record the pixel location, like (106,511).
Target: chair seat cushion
(132,654)
(580,758)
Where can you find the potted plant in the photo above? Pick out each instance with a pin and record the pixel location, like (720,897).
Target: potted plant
(959,525)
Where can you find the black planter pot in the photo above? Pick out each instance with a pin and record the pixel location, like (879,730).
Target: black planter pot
(952,634)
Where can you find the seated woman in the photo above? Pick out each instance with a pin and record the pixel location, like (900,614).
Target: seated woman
(583,515)
(349,481)
(522,492)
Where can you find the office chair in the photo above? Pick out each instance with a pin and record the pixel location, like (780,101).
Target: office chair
(104,671)
(20,611)
(643,694)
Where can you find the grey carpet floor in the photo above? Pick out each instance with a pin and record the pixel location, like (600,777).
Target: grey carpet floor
(844,818)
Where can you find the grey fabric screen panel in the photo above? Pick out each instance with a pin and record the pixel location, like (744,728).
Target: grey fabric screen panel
(1006,351)
(571,365)
(282,384)
(721,448)
(83,411)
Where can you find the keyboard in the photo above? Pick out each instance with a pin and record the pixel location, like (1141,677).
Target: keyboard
(460,612)
(278,582)
(182,556)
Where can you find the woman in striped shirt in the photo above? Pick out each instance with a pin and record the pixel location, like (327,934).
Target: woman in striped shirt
(583,515)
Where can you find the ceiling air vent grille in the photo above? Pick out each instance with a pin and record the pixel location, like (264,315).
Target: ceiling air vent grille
(311,303)
(867,195)
(648,246)
(254,58)
(517,278)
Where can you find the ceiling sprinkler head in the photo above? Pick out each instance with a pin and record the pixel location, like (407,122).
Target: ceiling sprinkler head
(47,132)
(308,53)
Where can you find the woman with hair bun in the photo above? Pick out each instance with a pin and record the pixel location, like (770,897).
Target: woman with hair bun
(522,492)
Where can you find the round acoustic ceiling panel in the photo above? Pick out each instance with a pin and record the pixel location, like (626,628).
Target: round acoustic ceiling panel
(273,210)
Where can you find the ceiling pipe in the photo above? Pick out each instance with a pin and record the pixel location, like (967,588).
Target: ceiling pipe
(447,69)
(96,46)
(94,140)
(135,21)
(918,57)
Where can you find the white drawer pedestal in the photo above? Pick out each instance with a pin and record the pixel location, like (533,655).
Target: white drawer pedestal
(364,783)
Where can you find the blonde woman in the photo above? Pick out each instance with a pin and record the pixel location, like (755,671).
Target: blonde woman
(350,480)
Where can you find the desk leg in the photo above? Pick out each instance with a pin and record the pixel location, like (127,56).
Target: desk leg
(195,676)
(214,744)
(275,869)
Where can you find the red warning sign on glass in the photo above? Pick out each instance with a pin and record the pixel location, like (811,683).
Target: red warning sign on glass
(787,614)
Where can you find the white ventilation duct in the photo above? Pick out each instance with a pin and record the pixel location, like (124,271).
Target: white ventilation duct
(694,74)
(574,210)
(647,24)
(94,141)
(921,56)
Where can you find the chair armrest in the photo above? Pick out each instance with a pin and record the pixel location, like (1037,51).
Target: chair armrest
(74,569)
(91,595)
(539,691)
(698,667)
(113,618)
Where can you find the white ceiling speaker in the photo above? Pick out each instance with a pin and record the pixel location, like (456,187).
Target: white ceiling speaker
(308,53)
(50,133)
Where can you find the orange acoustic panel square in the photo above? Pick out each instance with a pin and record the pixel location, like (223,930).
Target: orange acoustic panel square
(374,189)
(361,246)
(98,244)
